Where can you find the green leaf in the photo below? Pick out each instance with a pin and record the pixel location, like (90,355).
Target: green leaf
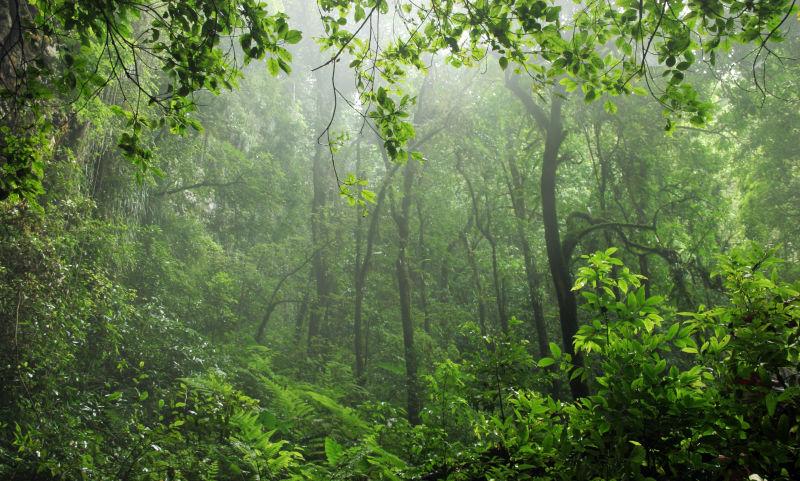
(293,36)
(555,350)
(772,402)
(546,361)
(333,451)
(673,330)
(368,196)
(284,66)
(569,84)
(359,13)
(637,455)
(273,67)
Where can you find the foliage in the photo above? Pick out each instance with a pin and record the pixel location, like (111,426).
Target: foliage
(23,168)
(702,398)
(234,317)
(158,53)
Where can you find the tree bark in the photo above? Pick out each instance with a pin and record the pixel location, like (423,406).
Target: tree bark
(562,280)
(517,194)
(422,254)
(319,264)
(401,218)
(484,225)
(550,124)
(363,263)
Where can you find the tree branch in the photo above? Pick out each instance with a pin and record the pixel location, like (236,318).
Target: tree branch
(533,109)
(572,239)
(273,303)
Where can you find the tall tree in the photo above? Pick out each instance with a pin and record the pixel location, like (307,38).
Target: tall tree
(550,124)
(401,215)
(362,268)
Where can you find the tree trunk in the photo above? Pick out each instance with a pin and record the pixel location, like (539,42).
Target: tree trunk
(358,281)
(550,125)
(562,280)
(422,254)
(361,272)
(319,265)
(484,225)
(273,300)
(404,290)
(401,218)
(500,298)
(517,194)
(476,281)
(302,311)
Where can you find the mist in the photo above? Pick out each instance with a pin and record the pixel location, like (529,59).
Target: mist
(370,240)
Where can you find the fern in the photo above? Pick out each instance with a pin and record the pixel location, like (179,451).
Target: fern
(351,421)
(256,446)
(287,401)
(213,472)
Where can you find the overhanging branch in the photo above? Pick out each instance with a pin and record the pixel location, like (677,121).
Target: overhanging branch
(572,239)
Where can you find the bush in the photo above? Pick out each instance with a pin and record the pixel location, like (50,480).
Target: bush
(704,395)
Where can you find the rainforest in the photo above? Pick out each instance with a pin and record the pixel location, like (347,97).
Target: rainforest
(399,240)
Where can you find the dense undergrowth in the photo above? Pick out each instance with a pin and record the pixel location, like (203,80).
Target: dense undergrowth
(101,384)
(208,307)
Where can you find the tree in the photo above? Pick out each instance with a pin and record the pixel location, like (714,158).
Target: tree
(158,53)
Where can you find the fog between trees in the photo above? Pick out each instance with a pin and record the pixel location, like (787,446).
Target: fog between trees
(362,240)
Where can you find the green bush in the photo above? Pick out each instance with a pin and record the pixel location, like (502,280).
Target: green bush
(704,395)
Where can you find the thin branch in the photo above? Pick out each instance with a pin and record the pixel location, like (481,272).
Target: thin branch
(344,45)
